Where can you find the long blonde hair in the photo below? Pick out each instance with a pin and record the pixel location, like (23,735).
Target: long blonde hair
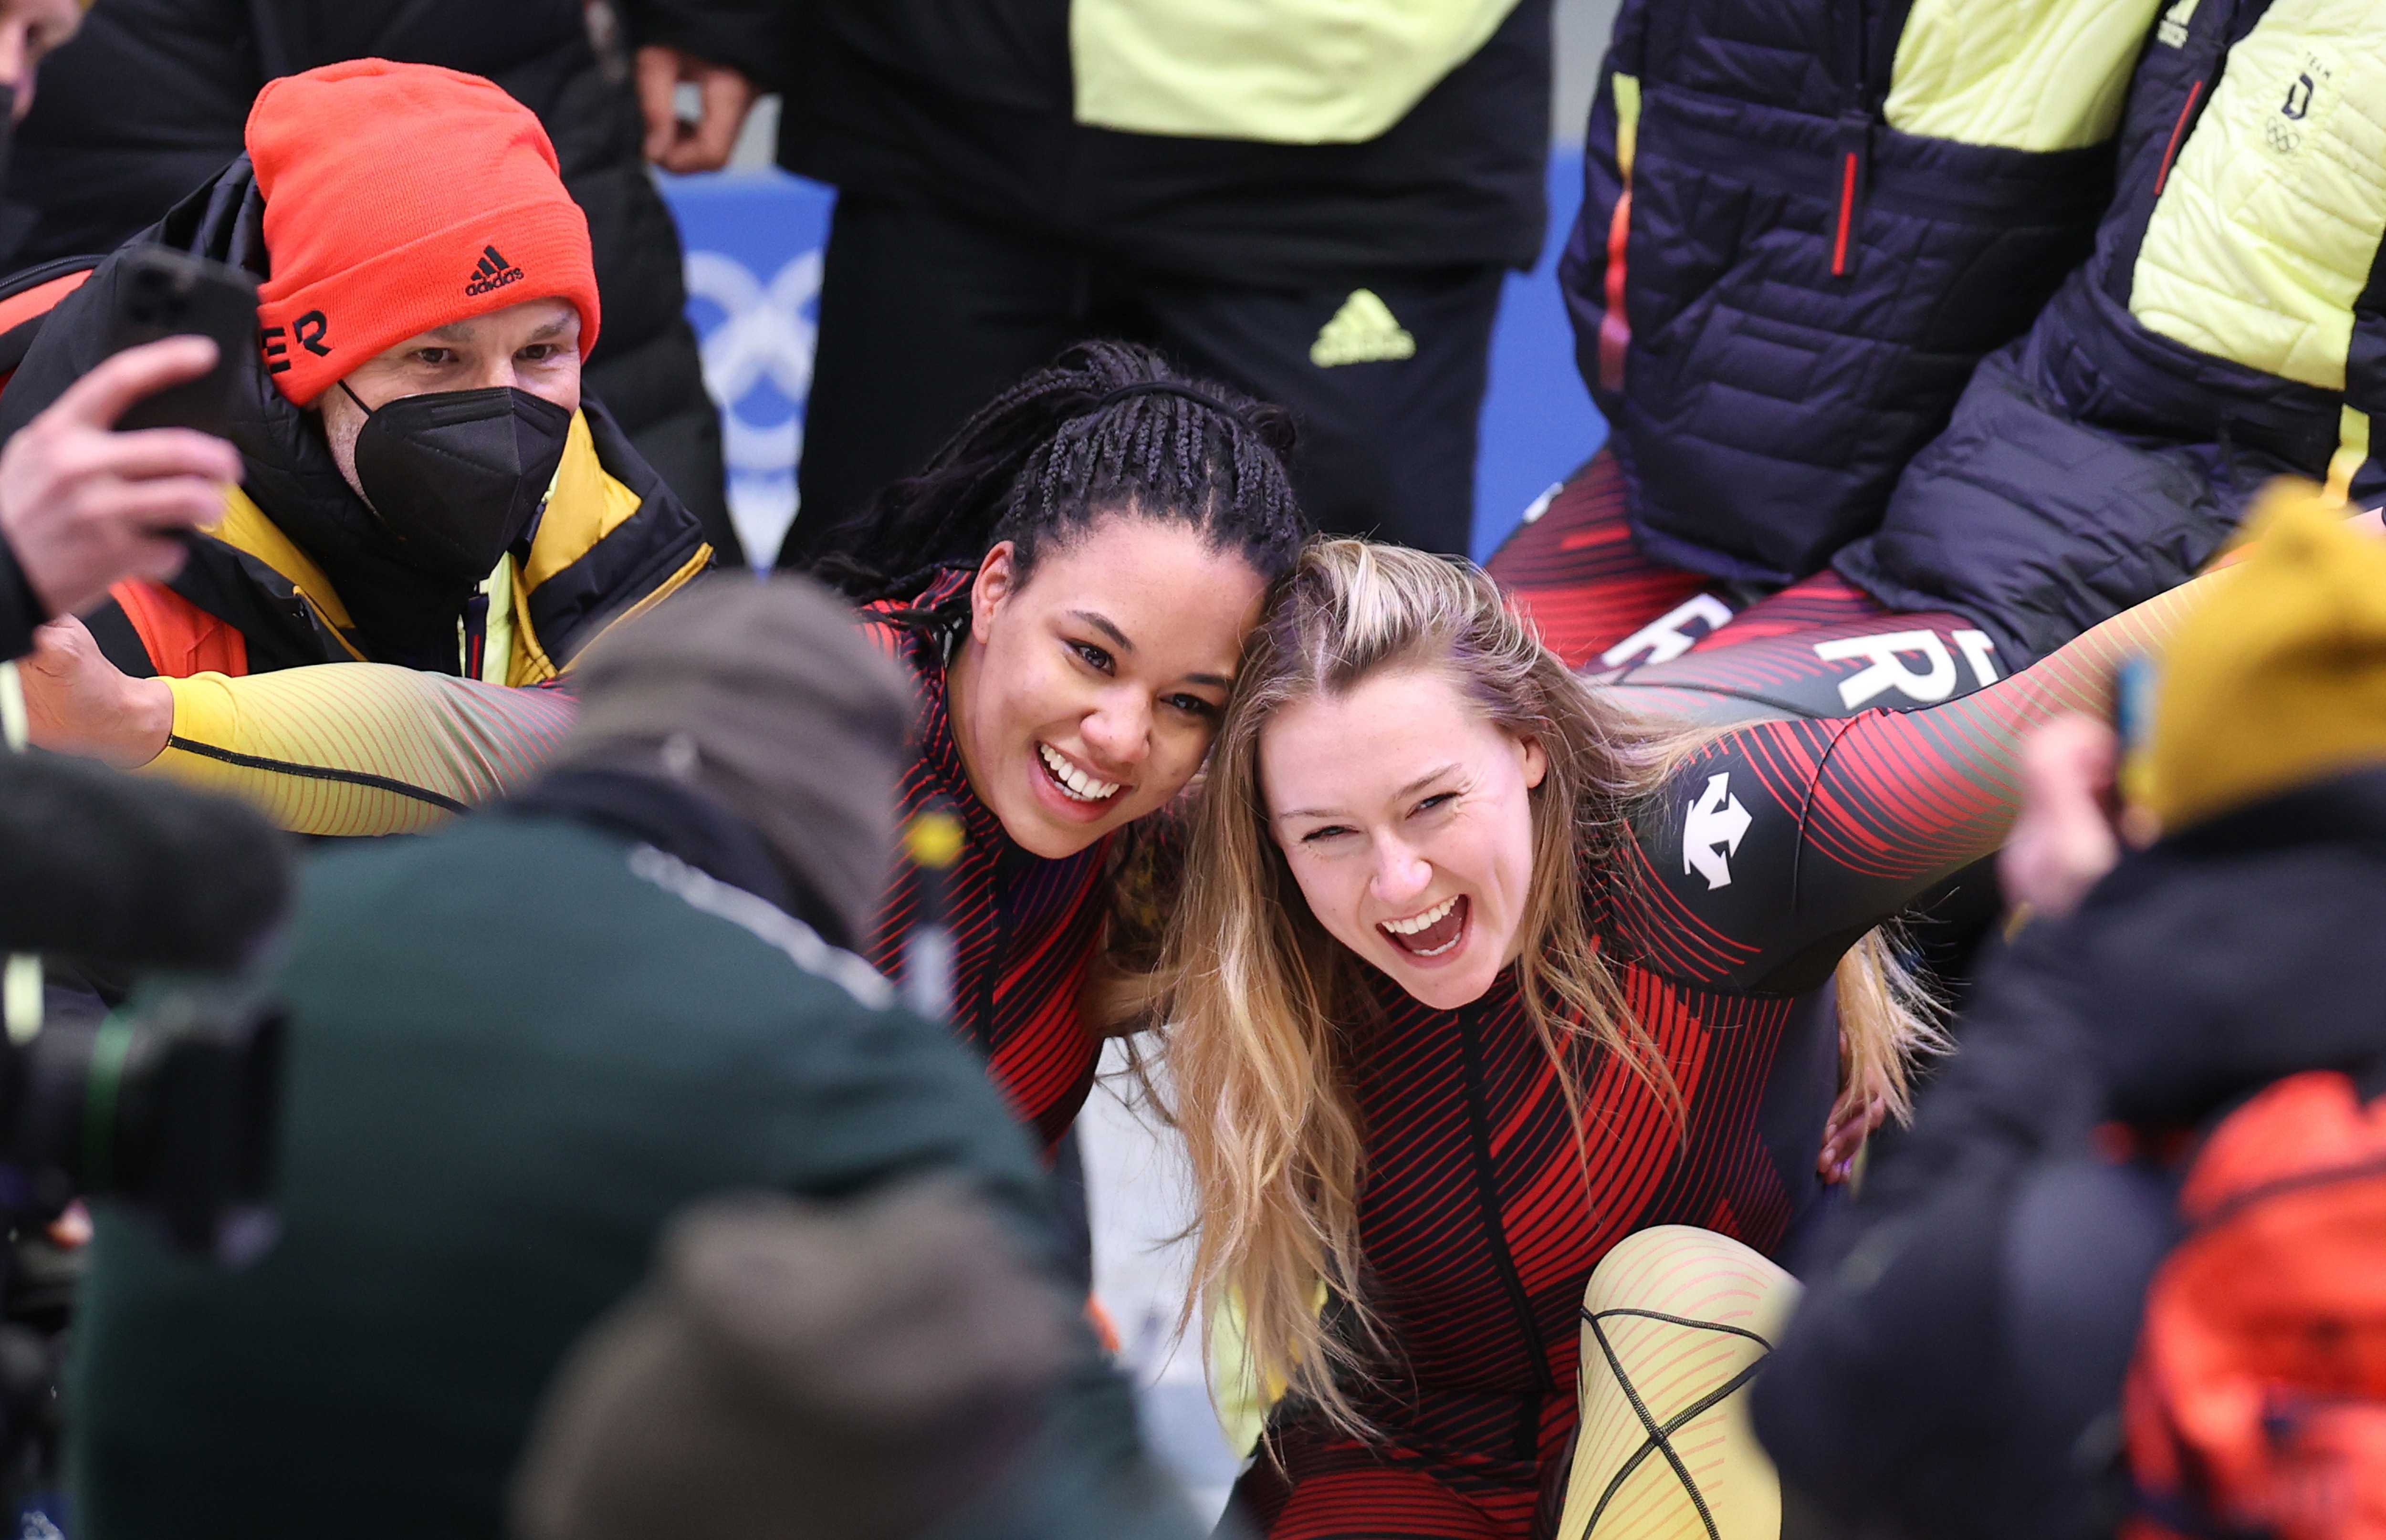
(1257,996)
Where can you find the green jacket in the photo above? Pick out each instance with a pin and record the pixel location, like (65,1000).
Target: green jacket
(516,1048)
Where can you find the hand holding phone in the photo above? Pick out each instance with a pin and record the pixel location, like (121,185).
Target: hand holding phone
(84,505)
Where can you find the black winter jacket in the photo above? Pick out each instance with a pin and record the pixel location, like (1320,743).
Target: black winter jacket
(1956,1368)
(151,97)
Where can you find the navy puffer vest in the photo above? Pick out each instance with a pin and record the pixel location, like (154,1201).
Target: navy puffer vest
(1795,291)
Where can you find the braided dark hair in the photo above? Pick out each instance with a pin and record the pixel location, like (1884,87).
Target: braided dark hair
(1108,429)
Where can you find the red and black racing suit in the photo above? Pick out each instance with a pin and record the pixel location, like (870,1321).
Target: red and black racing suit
(1025,930)
(1766,854)
(1574,571)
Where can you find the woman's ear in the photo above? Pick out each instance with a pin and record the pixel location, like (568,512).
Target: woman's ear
(1537,762)
(997,577)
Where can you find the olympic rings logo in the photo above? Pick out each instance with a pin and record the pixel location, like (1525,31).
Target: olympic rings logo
(764,335)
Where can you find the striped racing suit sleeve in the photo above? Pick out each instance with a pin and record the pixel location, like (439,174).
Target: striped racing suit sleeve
(359,749)
(1775,845)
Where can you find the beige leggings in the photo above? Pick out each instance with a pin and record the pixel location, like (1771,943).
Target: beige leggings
(1675,1321)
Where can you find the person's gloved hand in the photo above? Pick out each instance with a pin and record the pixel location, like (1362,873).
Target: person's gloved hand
(82,505)
(840,1372)
(77,702)
(673,143)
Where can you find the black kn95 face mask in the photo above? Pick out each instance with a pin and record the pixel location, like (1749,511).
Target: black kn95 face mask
(459,476)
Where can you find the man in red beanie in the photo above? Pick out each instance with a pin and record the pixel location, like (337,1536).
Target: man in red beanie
(426,484)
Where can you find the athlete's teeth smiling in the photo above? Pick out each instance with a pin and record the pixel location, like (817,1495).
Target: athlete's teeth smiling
(1431,917)
(1075,784)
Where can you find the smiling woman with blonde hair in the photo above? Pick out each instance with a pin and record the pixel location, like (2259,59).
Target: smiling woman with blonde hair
(1478,972)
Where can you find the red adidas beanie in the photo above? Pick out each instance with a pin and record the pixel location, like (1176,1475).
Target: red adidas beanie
(400,197)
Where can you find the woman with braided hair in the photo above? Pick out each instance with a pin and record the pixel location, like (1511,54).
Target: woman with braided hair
(1071,581)
(1505,1014)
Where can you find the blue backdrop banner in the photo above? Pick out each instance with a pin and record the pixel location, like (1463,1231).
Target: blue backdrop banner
(753,242)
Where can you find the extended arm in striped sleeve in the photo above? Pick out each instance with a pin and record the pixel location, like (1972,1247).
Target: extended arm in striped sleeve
(359,749)
(1776,844)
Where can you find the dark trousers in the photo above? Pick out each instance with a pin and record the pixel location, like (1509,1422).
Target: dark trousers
(925,315)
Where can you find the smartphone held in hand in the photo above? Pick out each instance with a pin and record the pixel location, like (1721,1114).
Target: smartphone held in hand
(164,292)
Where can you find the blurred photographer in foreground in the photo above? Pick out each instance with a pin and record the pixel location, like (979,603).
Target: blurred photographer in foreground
(167,1111)
(516,1049)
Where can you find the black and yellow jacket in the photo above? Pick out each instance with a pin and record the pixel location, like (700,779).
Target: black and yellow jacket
(1262,143)
(251,599)
(299,573)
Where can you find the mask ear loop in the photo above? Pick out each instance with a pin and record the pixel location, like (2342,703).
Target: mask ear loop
(358,485)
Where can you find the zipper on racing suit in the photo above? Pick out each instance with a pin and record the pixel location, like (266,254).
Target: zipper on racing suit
(1528,1438)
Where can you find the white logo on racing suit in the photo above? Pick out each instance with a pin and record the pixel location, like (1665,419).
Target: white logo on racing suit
(1711,835)
(1887,669)
(1667,637)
